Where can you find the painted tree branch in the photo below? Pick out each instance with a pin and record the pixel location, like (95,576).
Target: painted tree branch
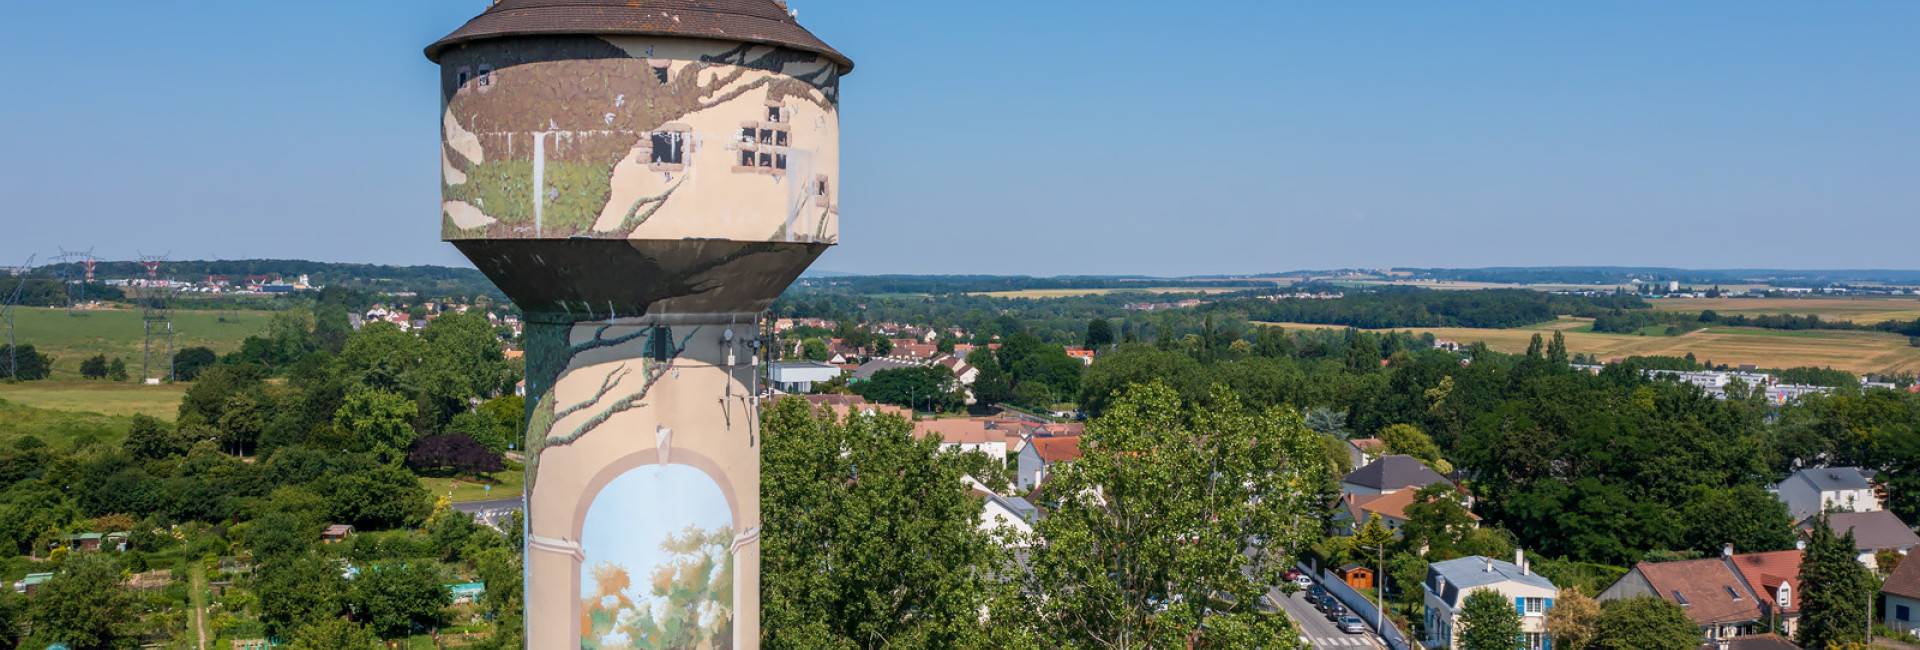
(606,386)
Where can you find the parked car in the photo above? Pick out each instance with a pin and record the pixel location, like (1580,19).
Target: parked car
(1293,573)
(1304,581)
(1352,625)
(1335,610)
(1316,592)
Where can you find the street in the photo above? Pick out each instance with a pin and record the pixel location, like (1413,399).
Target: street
(490,512)
(1319,631)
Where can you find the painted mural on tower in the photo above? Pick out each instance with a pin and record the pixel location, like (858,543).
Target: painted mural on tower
(634,137)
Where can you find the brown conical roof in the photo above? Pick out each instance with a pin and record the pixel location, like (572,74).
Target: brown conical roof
(747,21)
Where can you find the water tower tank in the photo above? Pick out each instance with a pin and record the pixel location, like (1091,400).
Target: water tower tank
(641,177)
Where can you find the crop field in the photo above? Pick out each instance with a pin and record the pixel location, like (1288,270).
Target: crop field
(103,397)
(1074,293)
(61,429)
(118,333)
(1858,352)
(1859,310)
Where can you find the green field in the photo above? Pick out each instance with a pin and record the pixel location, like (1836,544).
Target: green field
(62,429)
(118,333)
(103,397)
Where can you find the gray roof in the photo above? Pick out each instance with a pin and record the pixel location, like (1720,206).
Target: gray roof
(1824,479)
(1471,571)
(1395,472)
(1020,507)
(866,370)
(1874,531)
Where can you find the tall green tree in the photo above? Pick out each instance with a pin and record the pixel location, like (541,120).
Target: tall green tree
(83,606)
(1174,522)
(1746,516)
(396,599)
(94,367)
(378,421)
(298,589)
(1834,589)
(831,577)
(333,634)
(992,385)
(1488,621)
(1645,623)
(1099,333)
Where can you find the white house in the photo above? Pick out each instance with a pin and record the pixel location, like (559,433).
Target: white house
(1814,490)
(800,376)
(1450,582)
(1902,593)
(1040,454)
(1007,514)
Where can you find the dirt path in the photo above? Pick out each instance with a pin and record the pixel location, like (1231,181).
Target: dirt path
(199,596)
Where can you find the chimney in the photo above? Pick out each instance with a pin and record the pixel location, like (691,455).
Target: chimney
(1520,560)
(1726,550)
(1489,566)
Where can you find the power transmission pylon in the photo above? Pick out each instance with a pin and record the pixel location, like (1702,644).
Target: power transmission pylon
(6,314)
(154,309)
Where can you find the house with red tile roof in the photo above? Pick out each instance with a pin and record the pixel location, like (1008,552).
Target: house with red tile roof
(1709,590)
(1041,454)
(1774,577)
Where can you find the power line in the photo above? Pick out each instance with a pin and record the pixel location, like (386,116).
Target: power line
(6,314)
(155,296)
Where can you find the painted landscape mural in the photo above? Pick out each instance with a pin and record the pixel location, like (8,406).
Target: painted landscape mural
(658,572)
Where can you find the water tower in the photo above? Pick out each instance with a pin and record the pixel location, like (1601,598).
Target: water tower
(642,177)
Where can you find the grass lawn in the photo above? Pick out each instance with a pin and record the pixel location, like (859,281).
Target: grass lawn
(119,333)
(506,484)
(103,397)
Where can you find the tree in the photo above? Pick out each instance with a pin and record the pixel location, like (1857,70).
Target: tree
(1557,349)
(117,369)
(30,365)
(1644,623)
(830,577)
(1834,589)
(378,421)
(1437,522)
(396,599)
(188,362)
(1488,621)
(382,497)
(1174,522)
(10,608)
(1746,516)
(453,452)
(509,415)
(930,388)
(1099,333)
(992,385)
(83,606)
(333,634)
(814,349)
(148,438)
(1410,440)
(1574,621)
(94,367)
(298,590)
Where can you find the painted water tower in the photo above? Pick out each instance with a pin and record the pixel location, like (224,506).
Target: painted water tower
(642,177)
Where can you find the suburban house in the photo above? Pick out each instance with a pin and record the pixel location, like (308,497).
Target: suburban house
(841,404)
(1083,355)
(1901,598)
(1775,578)
(962,372)
(1390,474)
(970,434)
(1355,509)
(1873,532)
(1449,583)
(1711,592)
(1814,490)
(1361,451)
(1040,455)
(1011,514)
(800,376)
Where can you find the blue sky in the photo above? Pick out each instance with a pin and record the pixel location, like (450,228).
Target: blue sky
(1052,137)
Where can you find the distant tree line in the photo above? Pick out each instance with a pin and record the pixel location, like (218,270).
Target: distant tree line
(1394,307)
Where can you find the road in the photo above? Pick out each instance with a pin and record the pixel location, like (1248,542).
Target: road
(490,511)
(1320,632)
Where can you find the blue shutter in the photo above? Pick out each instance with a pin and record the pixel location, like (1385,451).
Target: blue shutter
(1546,606)
(1520,605)
(1546,641)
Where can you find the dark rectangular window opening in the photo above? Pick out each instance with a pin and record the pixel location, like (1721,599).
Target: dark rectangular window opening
(746,158)
(668,147)
(766,160)
(746,134)
(821,188)
(773,113)
(486,76)
(780,161)
(766,136)
(780,138)
(660,72)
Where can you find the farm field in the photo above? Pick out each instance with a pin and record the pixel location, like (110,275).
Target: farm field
(1859,310)
(1074,293)
(1857,352)
(102,397)
(118,333)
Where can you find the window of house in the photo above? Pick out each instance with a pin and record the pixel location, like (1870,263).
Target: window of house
(1681,598)
(1536,641)
(766,159)
(669,147)
(779,161)
(463,77)
(766,136)
(780,138)
(773,113)
(746,134)
(1534,605)
(1730,592)
(746,158)
(486,76)
(1902,613)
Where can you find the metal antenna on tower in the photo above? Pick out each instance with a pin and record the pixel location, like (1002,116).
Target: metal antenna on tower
(6,314)
(154,296)
(75,269)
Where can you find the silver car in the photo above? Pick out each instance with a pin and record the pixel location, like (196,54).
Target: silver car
(1352,625)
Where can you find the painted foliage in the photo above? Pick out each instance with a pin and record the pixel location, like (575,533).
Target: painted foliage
(625,137)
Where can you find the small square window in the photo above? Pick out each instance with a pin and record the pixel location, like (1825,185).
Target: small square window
(766,159)
(463,78)
(780,138)
(746,158)
(766,136)
(820,187)
(780,161)
(669,147)
(773,113)
(486,76)
(747,134)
